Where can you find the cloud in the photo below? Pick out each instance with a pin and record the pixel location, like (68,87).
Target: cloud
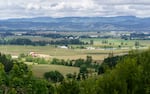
(123,2)
(65,8)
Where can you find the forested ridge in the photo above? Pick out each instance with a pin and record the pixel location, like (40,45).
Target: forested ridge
(129,74)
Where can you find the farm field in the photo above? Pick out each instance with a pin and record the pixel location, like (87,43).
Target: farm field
(116,42)
(99,52)
(97,42)
(59,53)
(40,69)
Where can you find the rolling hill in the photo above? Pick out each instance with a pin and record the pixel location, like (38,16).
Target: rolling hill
(118,23)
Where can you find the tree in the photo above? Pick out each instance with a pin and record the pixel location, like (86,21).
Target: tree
(79,62)
(6,61)
(91,42)
(22,55)
(130,76)
(3,80)
(137,44)
(88,86)
(21,41)
(40,87)
(83,69)
(54,76)
(19,79)
(88,60)
(71,76)
(55,61)
(69,87)
(101,70)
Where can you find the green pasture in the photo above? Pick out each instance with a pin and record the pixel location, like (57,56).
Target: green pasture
(76,52)
(60,53)
(116,42)
(39,70)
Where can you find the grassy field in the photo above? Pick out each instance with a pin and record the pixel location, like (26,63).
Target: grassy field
(58,52)
(116,42)
(39,70)
(54,52)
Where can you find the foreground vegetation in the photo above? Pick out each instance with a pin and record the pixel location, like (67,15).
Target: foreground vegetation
(128,75)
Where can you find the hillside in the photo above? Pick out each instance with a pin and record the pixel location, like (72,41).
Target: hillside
(119,23)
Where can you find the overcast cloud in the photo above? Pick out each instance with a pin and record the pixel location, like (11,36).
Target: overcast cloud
(67,8)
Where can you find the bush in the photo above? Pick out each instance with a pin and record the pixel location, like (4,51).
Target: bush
(69,87)
(54,76)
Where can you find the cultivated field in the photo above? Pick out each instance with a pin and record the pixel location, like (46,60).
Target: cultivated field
(99,52)
(39,70)
(116,42)
(58,52)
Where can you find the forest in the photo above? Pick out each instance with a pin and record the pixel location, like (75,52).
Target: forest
(128,74)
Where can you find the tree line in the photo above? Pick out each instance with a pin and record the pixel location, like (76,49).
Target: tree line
(25,41)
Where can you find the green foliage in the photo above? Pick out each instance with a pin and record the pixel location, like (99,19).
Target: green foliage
(55,61)
(26,41)
(29,58)
(71,76)
(22,55)
(21,81)
(83,69)
(40,61)
(6,61)
(101,69)
(109,63)
(83,64)
(112,61)
(69,87)
(137,44)
(88,86)
(40,87)
(104,41)
(89,60)
(19,69)
(130,76)
(20,41)
(2,74)
(77,63)
(91,42)
(54,76)
(35,60)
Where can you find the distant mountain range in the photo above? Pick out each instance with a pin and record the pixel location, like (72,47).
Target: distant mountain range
(119,23)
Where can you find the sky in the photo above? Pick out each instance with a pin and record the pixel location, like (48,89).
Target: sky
(73,8)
